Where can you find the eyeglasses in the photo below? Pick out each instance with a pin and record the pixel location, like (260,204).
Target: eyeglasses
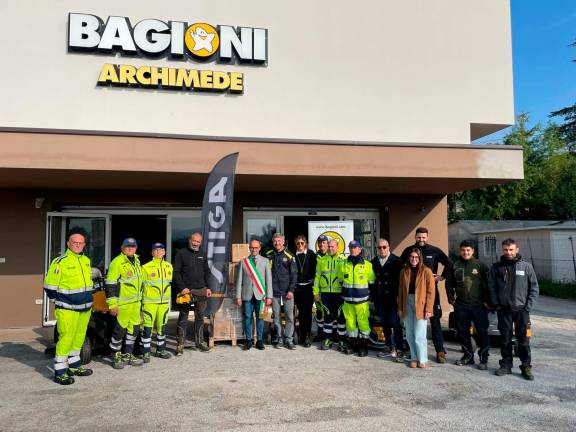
(300,243)
(382,247)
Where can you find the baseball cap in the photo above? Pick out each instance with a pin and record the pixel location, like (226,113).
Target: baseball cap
(158,245)
(129,242)
(354,244)
(322,238)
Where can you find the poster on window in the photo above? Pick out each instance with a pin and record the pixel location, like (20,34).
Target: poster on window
(342,231)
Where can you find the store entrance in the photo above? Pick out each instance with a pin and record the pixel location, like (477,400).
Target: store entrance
(296,225)
(146,229)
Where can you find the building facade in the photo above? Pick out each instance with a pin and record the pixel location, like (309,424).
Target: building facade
(113,114)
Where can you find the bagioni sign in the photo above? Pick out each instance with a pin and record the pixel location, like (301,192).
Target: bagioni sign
(153,38)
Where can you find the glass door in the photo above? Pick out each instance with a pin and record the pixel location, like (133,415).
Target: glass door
(96,230)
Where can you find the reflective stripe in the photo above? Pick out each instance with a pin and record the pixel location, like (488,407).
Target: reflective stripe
(353,333)
(51,287)
(156,300)
(74,291)
(355,299)
(130,337)
(152,282)
(129,279)
(111,282)
(73,360)
(71,306)
(60,366)
(160,337)
(60,359)
(74,353)
(356,286)
(146,340)
(125,299)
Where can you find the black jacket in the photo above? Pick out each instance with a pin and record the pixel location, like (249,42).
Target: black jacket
(190,271)
(284,272)
(513,284)
(432,257)
(467,283)
(306,266)
(385,291)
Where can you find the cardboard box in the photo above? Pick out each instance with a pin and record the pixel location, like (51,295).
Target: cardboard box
(239,251)
(232,275)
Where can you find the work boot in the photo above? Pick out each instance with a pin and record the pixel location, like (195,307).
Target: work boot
(146,357)
(464,361)
(483,366)
(441,357)
(350,346)
(203,347)
(527,373)
(290,345)
(362,347)
(163,354)
(117,362)
(179,346)
(326,344)
(64,379)
(132,360)
(307,342)
(260,345)
(503,371)
(79,371)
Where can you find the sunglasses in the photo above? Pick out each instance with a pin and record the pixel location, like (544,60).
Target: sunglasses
(382,247)
(300,243)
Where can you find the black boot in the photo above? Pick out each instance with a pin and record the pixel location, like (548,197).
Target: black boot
(362,347)
(350,346)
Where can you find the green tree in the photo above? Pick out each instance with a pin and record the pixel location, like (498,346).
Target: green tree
(548,190)
(567,130)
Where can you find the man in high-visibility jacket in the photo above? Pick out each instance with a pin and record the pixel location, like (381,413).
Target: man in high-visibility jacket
(322,251)
(157,275)
(327,291)
(356,274)
(124,296)
(68,284)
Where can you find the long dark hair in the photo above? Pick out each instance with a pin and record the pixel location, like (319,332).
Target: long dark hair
(420,260)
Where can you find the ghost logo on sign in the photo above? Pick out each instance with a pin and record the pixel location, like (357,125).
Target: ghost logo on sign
(202,40)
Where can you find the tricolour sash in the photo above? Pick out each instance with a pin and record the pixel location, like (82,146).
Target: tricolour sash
(258,282)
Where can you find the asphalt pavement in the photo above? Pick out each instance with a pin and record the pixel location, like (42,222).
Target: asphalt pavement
(300,390)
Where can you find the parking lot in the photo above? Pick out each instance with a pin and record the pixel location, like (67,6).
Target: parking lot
(303,390)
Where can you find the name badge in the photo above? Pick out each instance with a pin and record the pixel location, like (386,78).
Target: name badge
(519,272)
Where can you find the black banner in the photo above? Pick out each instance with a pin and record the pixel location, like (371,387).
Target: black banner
(217,209)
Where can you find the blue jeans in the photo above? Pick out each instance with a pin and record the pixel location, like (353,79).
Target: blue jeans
(251,307)
(415,332)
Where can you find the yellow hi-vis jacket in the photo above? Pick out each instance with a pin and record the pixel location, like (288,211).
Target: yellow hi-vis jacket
(326,280)
(356,279)
(123,282)
(157,275)
(69,282)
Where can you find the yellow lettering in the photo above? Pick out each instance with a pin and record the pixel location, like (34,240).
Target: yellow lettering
(236,82)
(159,74)
(143,75)
(206,79)
(108,74)
(187,78)
(127,74)
(172,77)
(221,80)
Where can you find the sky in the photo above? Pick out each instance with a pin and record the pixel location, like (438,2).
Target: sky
(544,75)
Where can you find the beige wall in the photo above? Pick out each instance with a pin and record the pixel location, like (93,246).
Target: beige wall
(409,71)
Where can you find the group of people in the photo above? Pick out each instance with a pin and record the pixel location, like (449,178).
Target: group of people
(404,291)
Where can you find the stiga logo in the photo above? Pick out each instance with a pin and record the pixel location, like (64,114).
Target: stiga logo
(154,38)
